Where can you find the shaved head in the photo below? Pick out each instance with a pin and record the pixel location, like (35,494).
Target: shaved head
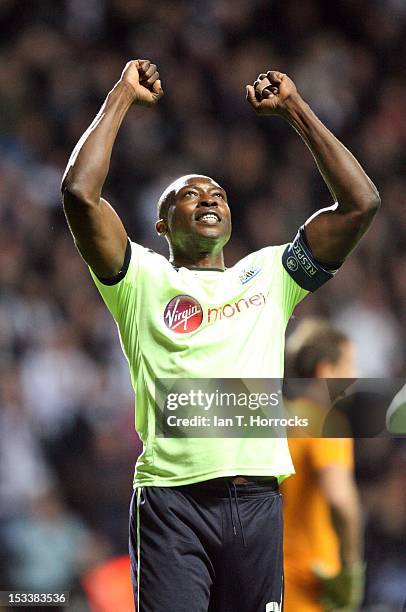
(168,196)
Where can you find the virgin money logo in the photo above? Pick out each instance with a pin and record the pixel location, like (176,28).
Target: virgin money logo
(183,314)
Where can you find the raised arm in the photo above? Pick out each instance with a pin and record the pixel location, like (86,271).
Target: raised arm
(97,229)
(331,232)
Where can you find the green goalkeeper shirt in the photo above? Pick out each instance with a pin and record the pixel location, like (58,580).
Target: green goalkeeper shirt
(185,323)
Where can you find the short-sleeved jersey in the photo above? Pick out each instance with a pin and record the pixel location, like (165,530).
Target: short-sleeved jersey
(185,323)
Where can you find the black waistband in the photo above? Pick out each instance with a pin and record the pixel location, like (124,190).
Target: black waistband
(220,487)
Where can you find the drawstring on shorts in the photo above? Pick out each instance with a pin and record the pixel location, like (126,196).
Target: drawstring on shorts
(230,497)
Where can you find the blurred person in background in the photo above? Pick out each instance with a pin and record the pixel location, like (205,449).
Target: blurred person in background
(24,472)
(381,472)
(177,340)
(323,533)
(49,546)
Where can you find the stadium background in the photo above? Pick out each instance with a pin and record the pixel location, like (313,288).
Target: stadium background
(67,446)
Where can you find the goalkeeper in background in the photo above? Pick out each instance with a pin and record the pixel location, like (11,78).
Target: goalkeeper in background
(323,536)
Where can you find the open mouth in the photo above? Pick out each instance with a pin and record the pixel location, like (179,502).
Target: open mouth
(209,218)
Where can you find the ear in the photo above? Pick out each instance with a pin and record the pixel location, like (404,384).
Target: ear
(324,369)
(161,227)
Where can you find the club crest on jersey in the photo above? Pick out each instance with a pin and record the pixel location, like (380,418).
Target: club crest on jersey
(247,275)
(183,314)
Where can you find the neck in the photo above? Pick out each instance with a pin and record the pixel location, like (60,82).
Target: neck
(198,260)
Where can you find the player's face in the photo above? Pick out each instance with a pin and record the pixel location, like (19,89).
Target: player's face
(200,207)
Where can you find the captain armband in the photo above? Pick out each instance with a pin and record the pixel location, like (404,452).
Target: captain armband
(301,265)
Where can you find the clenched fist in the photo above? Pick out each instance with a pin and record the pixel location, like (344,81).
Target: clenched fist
(143,77)
(270,93)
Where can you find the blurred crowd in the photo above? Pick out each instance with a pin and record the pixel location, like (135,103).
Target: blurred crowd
(67,445)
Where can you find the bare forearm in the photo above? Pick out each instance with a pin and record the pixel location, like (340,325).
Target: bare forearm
(344,176)
(90,160)
(331,232)
(97,229)
(339,490)
(347,521)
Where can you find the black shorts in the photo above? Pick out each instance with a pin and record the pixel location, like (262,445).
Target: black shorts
(208,547)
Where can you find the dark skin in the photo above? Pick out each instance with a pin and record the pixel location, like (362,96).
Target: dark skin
(197,224)
(101,237)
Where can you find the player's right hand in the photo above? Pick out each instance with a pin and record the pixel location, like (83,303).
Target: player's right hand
(143,77)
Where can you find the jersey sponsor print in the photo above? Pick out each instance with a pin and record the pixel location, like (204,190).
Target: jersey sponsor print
(218,324)
(184,314)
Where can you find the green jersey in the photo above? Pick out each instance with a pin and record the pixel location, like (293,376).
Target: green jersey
(202,323)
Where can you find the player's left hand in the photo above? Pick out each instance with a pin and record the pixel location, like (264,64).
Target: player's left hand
(271,92)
